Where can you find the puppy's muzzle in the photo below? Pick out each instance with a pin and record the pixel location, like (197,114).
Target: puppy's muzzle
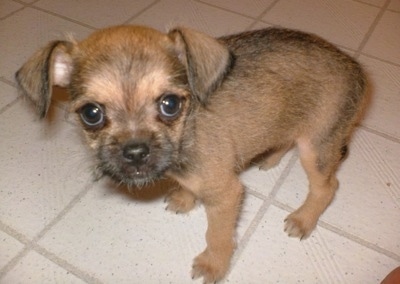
(136,154)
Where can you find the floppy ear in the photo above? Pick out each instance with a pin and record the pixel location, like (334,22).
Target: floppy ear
(52,65)
(207,60)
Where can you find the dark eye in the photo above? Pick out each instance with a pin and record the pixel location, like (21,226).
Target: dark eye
(170,106)
(92,115)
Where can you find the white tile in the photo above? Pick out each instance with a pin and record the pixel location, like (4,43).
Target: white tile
(340,21)
(95,13)
(9,248)
(367,203)
(122,237)
(384,42)
(7,7)
(25,32)
(272,257)
(169,13)
(383,111)
(43,167)
(8,94)
(252,8)
(34,268)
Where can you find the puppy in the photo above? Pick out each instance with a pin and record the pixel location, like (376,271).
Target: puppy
(199,110)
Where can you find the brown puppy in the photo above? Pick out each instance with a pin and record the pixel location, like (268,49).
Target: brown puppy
(199,110)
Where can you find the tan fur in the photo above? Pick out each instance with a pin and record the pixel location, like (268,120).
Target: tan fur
(200,110)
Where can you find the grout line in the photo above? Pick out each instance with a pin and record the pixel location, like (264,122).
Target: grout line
(359,240)
(367,4)
(372,28)
(14,234)
(62,17)
(83,275)
(224,9)
(344,234)
(32,6)
(259,18)
(379,133)
(380,59)
(31,245)
(12,13)
(26,4)
(6,81)
(255,19)
(263,209)
(256,194)
(9,105)
(141,12)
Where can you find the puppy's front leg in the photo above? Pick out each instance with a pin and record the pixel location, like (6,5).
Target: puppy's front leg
(222,207)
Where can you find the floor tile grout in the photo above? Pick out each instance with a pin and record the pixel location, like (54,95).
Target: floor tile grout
(371,28)
(9,105)
(259,18)
(14,234)
(8,82)
(83,275)
(359,240)
(141,12)
(12,13)
(343,233)
(32,244)
(63,17)
(381,134)
(380,59)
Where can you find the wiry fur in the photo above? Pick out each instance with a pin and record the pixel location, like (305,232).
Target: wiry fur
(244,99)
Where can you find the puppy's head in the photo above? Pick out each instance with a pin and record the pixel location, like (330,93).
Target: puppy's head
(134,91)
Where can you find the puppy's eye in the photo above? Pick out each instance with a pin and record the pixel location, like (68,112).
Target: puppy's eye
(92,115)
(170,106)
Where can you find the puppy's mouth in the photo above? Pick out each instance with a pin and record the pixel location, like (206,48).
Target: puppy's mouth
(134,164)
(129,175)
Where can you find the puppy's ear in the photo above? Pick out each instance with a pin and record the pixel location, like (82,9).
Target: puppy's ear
(207,60)
(49,66)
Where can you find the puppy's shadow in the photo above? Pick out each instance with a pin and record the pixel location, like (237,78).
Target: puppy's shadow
(148,193)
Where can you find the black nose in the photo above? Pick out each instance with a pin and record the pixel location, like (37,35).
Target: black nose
(136,153)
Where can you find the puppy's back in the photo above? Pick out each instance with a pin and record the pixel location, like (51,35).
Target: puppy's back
(296,68)
(285,84)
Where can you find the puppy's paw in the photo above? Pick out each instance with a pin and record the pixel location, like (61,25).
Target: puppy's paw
(300,225)
(211,267)
(180,201)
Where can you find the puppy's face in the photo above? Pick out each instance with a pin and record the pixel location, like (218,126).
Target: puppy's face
(133,90)
(131,97)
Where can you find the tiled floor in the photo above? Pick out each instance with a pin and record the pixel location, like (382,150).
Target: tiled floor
(56,226)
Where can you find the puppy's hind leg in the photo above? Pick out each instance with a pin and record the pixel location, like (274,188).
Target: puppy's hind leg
(320,163)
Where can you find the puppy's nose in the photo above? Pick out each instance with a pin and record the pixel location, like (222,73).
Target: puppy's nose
(136,153)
